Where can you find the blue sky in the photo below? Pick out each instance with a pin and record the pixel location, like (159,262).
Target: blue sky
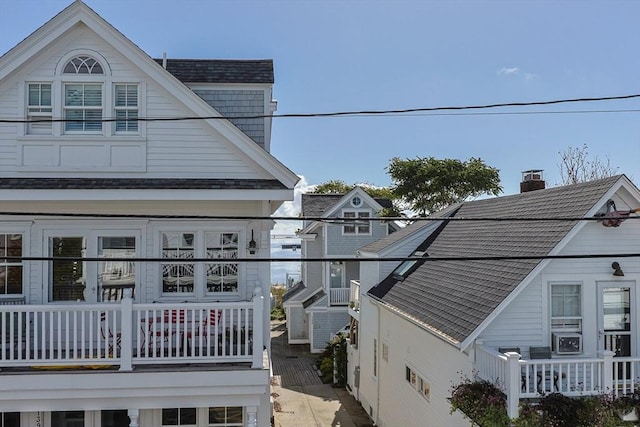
(365,55)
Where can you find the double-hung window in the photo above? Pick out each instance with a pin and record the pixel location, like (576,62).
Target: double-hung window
(360,224)
(83,107)
(39,109)
(83,101)
(126,108)
(10,270)
(566,307)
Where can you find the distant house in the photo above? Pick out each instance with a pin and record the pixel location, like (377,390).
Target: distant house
(548,302)
(130,287)
(316,307)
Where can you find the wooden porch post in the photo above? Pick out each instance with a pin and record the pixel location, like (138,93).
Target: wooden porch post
(607,371)
(513,384)
(258,327)
(126,322)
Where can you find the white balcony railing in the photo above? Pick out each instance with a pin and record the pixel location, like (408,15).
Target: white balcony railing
(521,378)
(339,296)
(125,334)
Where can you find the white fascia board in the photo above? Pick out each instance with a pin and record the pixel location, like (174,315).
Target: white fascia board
(360,192)
(79,12)
(310,228)
(159,194)
(308,236)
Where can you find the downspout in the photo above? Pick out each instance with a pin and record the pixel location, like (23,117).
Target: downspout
(378,366)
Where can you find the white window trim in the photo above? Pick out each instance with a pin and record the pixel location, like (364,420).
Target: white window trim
(91,237)
(116,108)
(580,318)
(357,231)
(419,379)
(24,229)
(59,79)
(199,285)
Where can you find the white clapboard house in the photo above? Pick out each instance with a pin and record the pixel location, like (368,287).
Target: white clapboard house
(131,287)
(548,302)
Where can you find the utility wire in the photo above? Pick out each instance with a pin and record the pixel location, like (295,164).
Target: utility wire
(316,259)
(339,113)
(337,220)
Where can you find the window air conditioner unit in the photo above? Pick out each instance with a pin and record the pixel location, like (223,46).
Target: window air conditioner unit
(567,343)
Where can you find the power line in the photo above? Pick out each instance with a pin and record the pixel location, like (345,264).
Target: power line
(337,220)
(340,113)
(321,259)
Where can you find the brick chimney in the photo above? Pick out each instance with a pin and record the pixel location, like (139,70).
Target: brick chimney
(532,180)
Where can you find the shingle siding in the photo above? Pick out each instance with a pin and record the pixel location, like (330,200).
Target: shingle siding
(237,102)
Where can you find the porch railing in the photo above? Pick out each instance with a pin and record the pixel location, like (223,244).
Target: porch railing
(125,334)
(521,378)
(339,296)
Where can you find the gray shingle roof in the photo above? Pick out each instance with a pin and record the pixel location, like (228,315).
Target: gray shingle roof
(220,70)
(315,205)
(454,297)
(402,233)
(137,184)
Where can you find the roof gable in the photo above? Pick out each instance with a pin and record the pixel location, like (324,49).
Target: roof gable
(455,297)
(78,13)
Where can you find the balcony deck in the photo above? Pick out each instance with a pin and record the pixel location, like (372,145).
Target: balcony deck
(122,335)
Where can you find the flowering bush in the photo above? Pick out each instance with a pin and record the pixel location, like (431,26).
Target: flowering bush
(557,410)
(480,401)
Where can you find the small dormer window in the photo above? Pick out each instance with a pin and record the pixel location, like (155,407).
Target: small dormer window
(356,222)
(83,65)
(356,201)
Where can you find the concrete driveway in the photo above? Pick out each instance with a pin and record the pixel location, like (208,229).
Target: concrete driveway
(300,398)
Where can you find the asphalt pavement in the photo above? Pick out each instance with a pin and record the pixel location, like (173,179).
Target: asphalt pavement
(299,397)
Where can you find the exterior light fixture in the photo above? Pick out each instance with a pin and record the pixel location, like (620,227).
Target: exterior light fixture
(617,270)
(253,247)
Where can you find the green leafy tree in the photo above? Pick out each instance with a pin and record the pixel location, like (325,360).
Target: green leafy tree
(428,184)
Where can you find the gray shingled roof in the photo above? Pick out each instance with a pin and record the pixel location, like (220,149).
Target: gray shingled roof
(137,184)
(220,70)
(315,205)
(454,297)
(402,233)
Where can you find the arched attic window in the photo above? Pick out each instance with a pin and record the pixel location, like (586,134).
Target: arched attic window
(83,65)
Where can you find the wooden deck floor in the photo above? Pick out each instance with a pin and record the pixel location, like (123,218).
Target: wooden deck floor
(293,365)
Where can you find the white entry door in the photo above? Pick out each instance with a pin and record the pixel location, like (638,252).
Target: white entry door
(616,319)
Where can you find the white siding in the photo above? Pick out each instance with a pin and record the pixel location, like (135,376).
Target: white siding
(436,361)
(526,320)
(170,149)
